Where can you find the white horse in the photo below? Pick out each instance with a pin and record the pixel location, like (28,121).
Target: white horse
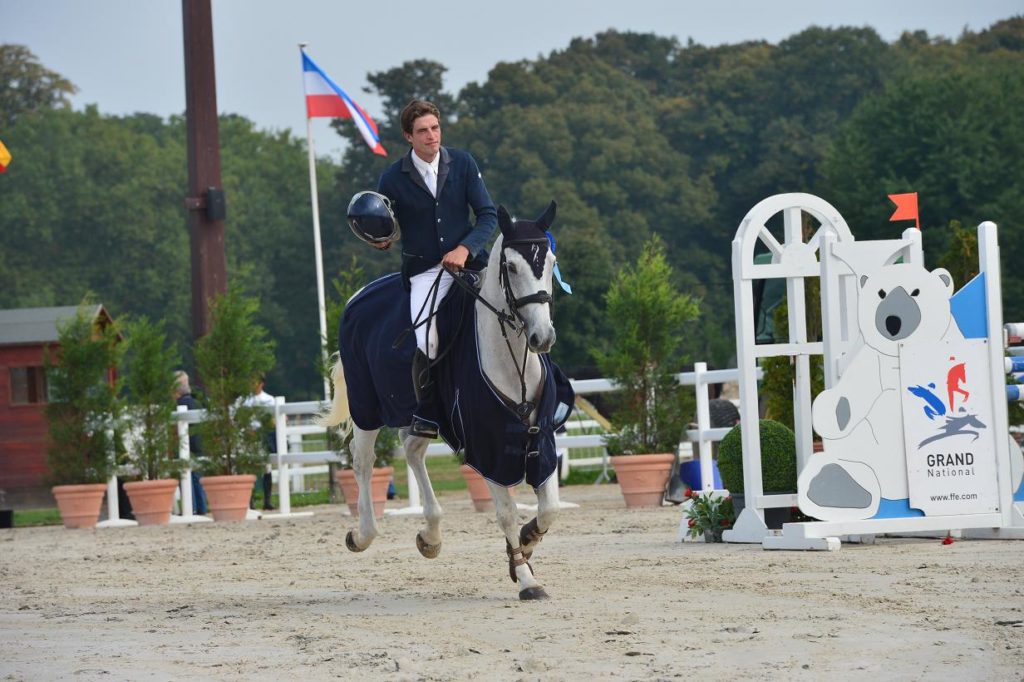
(514,294)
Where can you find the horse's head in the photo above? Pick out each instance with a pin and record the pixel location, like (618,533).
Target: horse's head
(526,263)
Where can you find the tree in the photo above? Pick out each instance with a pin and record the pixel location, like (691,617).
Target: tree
(150,366)
(26,86)
(648,316)
(84,406)
(230,358)
(954,136)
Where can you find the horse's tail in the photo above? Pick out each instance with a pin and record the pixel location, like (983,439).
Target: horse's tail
(339,414)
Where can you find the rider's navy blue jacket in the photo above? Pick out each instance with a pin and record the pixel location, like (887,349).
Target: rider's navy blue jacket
(433,227)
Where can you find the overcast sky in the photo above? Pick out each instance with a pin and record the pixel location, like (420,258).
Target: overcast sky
(126,55)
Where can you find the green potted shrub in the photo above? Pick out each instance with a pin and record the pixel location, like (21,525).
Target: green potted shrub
(229,359)
(82,413)
(150,364)
(647,315)
(383,471)
(778,466)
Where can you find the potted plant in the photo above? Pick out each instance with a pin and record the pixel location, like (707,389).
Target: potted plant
(778,466)
(647,314)
(150,366)
(229,359)
(709,515)
(384,450)
(82,413)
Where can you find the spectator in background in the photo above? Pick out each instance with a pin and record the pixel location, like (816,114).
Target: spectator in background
(183,396)
(260,398)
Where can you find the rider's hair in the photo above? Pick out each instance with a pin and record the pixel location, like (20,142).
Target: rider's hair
(415,109)
(181,386)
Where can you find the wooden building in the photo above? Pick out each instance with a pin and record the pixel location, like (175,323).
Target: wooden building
(25,334)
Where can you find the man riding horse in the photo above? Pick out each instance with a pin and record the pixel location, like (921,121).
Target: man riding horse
(430,190)
(502,396)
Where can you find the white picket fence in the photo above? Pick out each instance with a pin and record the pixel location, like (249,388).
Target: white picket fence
(295,422)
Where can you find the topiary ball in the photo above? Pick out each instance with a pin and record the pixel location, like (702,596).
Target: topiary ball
(778,458)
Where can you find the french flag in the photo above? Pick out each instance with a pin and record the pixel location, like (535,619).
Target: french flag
(325,99)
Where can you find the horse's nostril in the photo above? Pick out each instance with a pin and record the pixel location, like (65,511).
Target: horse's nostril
(534,340)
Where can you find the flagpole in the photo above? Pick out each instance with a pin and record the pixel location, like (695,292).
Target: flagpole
(314,197)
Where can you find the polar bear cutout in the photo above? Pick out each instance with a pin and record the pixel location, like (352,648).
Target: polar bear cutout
(860,419)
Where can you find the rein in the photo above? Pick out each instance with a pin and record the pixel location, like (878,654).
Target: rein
(513,320)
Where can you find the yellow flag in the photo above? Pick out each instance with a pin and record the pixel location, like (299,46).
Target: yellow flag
(5,158)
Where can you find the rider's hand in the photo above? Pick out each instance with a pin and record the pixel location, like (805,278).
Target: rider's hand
(456,258)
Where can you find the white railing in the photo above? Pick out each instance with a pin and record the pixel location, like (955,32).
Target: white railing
(703,435)
(292,462)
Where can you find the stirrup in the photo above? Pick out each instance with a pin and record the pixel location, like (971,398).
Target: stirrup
(422,428)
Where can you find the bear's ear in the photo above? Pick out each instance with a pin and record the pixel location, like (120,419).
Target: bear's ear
(863,279)
(947,279)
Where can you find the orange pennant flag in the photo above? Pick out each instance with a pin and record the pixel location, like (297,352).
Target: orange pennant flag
(5,158)
(906,208)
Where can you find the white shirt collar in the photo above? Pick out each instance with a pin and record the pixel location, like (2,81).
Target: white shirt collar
(422,165)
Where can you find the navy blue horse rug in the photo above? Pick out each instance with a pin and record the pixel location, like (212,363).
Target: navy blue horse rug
(478,421)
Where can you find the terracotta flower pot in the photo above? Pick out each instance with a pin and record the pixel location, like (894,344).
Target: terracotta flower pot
(79,504)
(228,496)
(151,500)
(478,489)
(379,480)
(642,478)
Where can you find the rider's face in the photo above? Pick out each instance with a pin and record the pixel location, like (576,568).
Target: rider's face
(426,137)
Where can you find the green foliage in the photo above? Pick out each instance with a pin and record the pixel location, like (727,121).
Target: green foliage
(709,513)
(149,378)
(649,316)
(961,256)
(779,381)
(26,86)
(778,458)
(84,406)
(384,446)
(230,358)
(348,281)
(633,134)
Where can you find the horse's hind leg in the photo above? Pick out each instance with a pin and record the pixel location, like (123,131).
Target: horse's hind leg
(363,456)
(508,520)
(533,532)
(428,540)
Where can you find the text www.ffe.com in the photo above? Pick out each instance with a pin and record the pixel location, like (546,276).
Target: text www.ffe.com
(954,497)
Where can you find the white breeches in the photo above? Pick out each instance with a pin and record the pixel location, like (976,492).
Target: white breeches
(418,298)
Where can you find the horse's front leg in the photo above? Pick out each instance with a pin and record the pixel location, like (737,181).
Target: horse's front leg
(363,457)
(428,540)
(533,532)
(519,570)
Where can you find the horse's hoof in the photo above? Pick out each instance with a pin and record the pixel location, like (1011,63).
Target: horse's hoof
(429,551)
(532,593)
(350,542)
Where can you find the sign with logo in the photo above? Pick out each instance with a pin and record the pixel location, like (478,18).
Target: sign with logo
(947,427)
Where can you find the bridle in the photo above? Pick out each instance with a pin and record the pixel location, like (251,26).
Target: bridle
(514,304)
(514,319)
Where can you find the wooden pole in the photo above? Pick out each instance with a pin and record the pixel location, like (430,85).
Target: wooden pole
(205,195)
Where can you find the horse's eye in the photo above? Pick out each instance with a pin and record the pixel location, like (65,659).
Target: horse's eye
(511,267)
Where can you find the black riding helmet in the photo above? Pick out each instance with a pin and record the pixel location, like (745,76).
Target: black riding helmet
(371,218)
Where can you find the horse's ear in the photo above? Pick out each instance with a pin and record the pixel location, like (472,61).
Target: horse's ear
(549,216)
(504,221)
